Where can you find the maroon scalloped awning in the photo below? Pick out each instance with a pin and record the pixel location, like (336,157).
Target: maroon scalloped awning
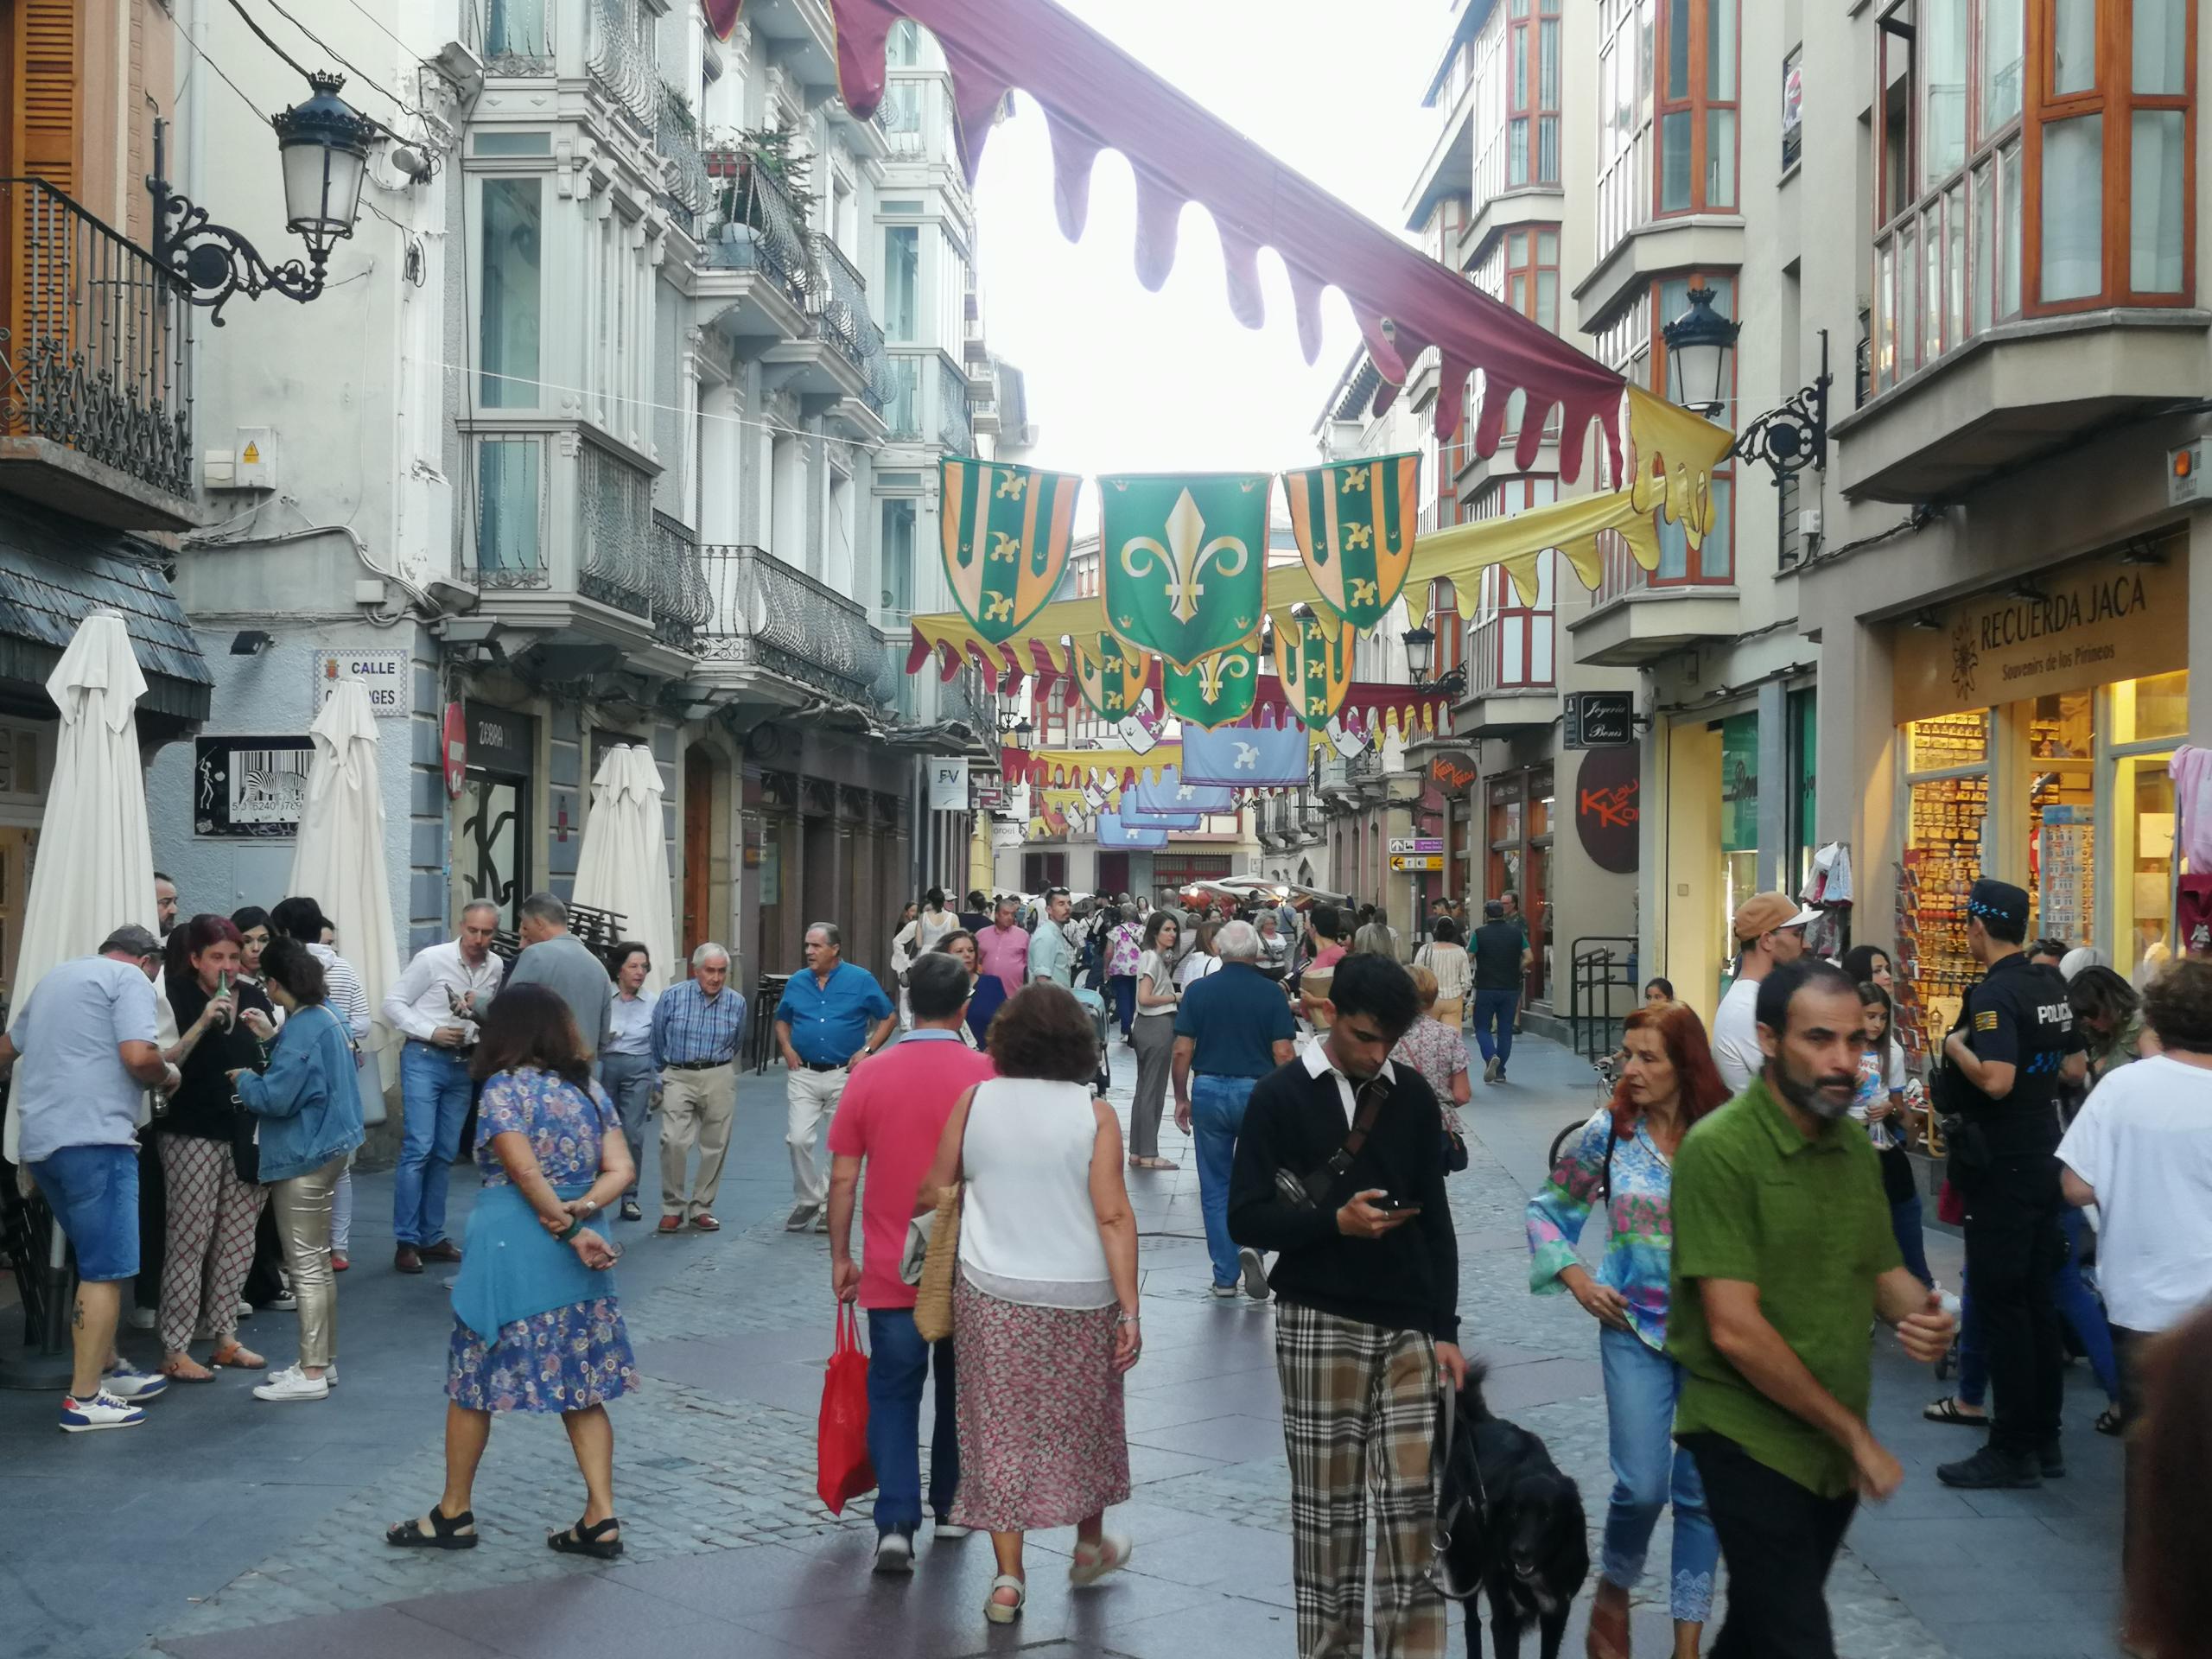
(1097,97)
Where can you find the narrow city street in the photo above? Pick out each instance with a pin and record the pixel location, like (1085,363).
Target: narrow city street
(229,1529)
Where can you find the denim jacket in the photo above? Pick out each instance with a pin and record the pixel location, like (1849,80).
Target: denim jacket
(309,1099)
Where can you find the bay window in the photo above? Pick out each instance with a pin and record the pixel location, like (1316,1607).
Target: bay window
(1698,105)
(1626,41)
(1532,93)
(509,300)
(2036,158)
(1511,642)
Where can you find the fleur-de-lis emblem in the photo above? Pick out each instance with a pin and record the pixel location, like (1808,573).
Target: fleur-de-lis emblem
(1216,673)
(1005,549)
(1012,486)
(1357,535)
(1354,481)
(1184,557)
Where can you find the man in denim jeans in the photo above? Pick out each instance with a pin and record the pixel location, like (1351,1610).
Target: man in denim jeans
(1231,1029)
(892,1116)
(432,1003)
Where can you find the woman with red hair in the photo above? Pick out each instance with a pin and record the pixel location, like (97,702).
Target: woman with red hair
(1624,1158)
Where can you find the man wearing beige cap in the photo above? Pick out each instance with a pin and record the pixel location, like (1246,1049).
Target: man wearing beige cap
(1770,931)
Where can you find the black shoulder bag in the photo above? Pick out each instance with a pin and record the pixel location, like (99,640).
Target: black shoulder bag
(1306,1193)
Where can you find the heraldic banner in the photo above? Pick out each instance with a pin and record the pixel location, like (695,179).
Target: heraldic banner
(1219,691)
(1355,521)
(1313,655)
(1006,532)
(1184,564)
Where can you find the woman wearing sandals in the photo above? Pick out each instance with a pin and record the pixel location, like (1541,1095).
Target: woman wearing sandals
(1045,1304)
(535,1324)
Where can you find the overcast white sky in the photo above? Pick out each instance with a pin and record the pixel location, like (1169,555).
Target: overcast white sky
(1123,380)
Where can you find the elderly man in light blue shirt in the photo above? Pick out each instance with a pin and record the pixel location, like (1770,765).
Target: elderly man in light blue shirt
(1051,954)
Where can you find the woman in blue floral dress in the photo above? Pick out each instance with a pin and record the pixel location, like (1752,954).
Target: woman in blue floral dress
(536,1324)
(1625,1160)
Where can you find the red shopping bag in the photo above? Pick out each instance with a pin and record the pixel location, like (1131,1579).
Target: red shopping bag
(841,1470)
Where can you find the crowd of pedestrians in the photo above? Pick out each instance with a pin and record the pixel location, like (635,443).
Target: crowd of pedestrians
(189,1103)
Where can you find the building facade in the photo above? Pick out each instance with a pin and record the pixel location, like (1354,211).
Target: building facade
(618,422)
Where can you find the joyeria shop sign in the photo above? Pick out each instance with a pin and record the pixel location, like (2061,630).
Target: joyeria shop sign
(2069,630)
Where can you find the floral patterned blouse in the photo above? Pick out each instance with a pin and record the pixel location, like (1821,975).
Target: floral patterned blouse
(565,1123)
(1123,946)
(1639,1247)
(1435,1051)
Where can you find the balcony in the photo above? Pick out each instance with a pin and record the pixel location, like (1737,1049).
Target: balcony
(2003,398)
(95,397)
(1637,616)
(620,54)
(574,564)
(841,318)
(1511,667)
(955,427)
(514,37)
(756,267)
(774,630)
(676,136)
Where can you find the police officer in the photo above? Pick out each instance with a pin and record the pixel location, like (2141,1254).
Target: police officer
(2012,1050)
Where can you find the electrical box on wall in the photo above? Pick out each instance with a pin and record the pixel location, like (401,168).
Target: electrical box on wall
(2186,484)
(249,464)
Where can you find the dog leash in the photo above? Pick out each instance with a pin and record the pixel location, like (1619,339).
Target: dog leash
(1441,1532)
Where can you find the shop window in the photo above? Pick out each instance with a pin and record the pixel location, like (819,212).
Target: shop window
(2156,706)
(1944,819)
(1952,740)
(2062,800)
(1697,101)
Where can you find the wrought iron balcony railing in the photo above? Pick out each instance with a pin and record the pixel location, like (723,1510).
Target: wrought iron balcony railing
(93,340)
(621,52)
(761,227)
(763,613)
(840,308)
(680,601)
(955,429)
(676,136)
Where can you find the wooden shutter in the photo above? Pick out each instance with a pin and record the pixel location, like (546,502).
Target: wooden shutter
(46,91)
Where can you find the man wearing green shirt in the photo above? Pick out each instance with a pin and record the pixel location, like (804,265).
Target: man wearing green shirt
(1783,1255)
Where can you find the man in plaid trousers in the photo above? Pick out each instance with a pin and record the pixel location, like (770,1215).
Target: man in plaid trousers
(1366,1291)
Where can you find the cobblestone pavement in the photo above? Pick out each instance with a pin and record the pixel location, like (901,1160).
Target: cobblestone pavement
(222,1526)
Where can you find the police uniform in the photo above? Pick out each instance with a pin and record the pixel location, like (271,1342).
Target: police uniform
(2018,1015)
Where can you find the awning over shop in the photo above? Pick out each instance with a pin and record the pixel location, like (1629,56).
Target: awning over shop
(56,571)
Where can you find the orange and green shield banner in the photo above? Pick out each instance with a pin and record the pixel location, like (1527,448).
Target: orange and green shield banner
(1217,691)
(1355,521)
(1184,564)
(1006,532)
(1313,655)
(1111,678)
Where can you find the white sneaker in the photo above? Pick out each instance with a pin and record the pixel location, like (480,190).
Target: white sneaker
(947,1529)
(293,1383)
(127,1381)
(286,1304)
(894,1553)
(103,1410)
(246,1308)
(1223,1293)
(1255,1266)
(145,1319)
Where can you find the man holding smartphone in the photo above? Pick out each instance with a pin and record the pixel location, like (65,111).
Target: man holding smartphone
(1339,1166)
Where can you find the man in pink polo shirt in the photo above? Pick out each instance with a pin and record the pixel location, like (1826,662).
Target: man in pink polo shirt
(892,1118)
(1002,949)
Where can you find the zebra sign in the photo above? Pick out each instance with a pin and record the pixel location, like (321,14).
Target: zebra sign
(249,788)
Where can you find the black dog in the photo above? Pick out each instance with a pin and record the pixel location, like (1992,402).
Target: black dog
(1509,1525)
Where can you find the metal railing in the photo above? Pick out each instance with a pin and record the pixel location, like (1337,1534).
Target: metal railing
(765,613)
(964,698)
(514,37)
(761,227)
(955,426)
(680,600)
(93,340)
(676,136)
(615,532)
(620,54)
(840,308)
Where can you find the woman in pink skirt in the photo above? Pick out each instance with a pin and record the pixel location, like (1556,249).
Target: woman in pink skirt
(1044,1309)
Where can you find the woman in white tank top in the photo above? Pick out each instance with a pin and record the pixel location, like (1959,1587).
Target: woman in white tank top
(1044,1307)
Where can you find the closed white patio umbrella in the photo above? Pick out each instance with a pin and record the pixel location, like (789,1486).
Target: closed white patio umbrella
(94,869)
(338,860)
(623,866)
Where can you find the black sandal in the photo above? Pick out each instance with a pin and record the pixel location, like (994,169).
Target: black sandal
(445,1534)
(1946,1410)
(2113,1420)
(580,1540)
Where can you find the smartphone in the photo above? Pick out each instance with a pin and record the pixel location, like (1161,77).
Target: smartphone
(1392,1206)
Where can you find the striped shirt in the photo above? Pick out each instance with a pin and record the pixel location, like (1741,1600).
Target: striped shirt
(689,1027)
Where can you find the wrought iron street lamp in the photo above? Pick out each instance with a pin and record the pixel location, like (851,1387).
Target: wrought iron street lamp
(1701,375)
(323,145)
(1420,654)
(1017,727)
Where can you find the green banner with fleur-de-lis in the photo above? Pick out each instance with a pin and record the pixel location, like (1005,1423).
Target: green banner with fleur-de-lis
(1185,561)
(1006,531)
(1218,691)
(1356,521)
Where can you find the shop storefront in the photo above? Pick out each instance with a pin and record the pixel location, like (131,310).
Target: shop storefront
(2035,727)
(493,841)
(1519,831)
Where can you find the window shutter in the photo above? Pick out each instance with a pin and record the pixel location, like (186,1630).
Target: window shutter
(43,141)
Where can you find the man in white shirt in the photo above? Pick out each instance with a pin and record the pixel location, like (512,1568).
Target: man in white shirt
(1770,931)
(431,1003)
(2141,1151)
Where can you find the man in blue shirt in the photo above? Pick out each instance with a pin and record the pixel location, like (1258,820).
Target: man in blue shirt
(832,1018)
(1233,1028)
(697,1027)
